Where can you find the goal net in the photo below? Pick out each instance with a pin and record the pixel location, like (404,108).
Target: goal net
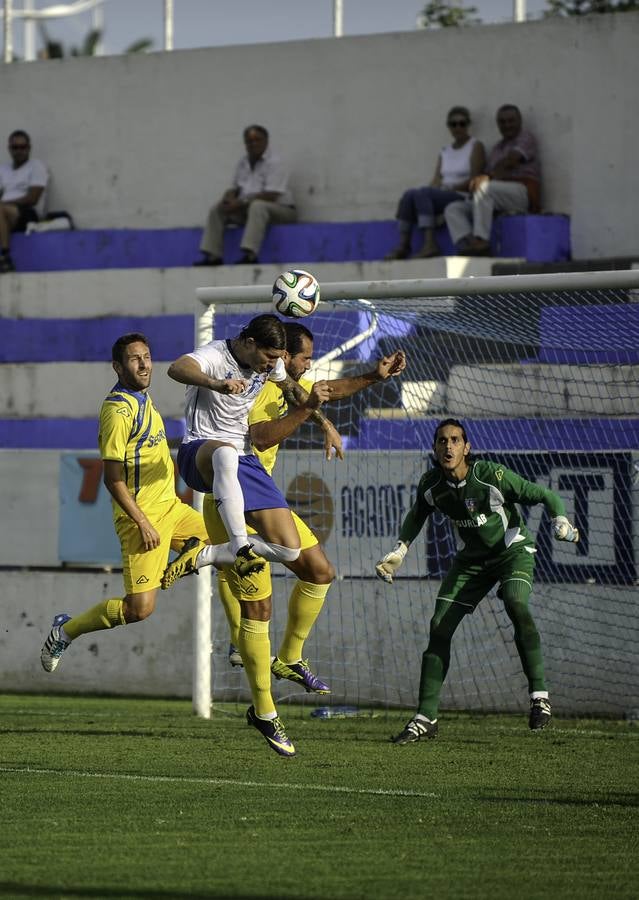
(543,371)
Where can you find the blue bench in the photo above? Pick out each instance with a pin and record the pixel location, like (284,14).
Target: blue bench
(534,238)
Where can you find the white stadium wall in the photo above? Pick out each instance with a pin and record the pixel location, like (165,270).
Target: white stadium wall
(150,141)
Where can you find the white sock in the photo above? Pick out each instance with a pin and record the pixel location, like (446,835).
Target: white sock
(228,495)
(273,552)
(539,695)
(215,555)
(223,554)
(268,716)
(419,717)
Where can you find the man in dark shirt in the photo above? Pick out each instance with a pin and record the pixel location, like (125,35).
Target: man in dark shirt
(511,184)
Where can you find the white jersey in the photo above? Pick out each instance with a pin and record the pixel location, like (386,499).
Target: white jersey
(15,183)
(224,417)
(455,163)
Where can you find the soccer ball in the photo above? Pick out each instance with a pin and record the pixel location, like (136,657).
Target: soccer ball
(296,294)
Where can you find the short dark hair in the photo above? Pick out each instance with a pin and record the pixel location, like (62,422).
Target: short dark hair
(133,337)
(267,331)
(20,133)
(295,332)
(458,111)
(262,130)
(456,423)
(510,107)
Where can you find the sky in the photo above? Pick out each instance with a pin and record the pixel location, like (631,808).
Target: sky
(211,23)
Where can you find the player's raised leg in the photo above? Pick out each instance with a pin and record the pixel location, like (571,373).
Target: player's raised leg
(315,574)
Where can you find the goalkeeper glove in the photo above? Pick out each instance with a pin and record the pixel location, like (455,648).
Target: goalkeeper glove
(389,564)
(564,531)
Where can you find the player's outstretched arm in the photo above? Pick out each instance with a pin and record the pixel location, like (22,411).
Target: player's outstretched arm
(563,530)
(390,563)
(385,368)
(186,370)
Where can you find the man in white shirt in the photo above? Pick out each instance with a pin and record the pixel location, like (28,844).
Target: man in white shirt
(22,186)
(259,196)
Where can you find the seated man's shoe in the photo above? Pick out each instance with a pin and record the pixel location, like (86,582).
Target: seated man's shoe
(402,251)
(248,258)
(6,263)
(477,247)
(208,260)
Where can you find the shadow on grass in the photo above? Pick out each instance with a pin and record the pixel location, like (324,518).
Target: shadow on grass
(13,889)
(613,799)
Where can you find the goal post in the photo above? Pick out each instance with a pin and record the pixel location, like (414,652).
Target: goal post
(544,372)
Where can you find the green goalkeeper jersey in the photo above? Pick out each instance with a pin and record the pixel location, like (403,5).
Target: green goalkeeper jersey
(482,507)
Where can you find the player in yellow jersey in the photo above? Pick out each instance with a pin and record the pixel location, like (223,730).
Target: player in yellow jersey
(149,518)
(276,414)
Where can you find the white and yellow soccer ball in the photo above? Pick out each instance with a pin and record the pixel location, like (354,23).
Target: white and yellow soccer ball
(296,294)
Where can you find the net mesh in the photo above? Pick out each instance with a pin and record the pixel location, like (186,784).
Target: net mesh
(546,383)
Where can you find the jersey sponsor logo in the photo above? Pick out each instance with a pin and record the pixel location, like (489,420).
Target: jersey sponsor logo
(142,580)
(124,411)
(499,474)
(255,385)
(471,523)
(155,439)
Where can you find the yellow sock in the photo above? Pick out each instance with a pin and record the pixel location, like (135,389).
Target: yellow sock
(231,606)
(107,614)
(304,607)
(255,646)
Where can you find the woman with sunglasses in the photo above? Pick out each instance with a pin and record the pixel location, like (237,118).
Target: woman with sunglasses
(457,163)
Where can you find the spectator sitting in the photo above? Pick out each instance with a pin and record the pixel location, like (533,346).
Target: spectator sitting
(511,185)
(457,163)
(22,185)
(258,197)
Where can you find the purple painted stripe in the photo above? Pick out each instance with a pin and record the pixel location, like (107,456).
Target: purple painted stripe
(485,434)
(500,434)
(62,434)
(90,340)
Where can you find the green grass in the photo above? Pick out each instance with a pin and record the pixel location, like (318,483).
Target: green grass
(106,798)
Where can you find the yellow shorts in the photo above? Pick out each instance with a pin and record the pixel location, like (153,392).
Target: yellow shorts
(142,569)
(256,586)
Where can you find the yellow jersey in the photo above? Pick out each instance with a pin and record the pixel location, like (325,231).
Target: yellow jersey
(132,432)
(271,405)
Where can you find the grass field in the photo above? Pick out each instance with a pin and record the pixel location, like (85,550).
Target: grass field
(137,798)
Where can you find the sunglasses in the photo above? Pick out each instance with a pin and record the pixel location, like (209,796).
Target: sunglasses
(18,146)
(458,123)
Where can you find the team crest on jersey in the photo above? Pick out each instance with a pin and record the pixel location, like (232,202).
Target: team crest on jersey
(471,505)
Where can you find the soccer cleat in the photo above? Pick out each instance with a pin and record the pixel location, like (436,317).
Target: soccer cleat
(235,657)
(300,673)
(184,562)
(272,730)
(539,714)
(54,646)
(416,730)
(247,562)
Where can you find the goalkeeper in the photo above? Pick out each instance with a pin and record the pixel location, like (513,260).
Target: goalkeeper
(480,498)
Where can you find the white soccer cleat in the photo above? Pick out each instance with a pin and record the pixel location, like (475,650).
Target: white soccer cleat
(54,646)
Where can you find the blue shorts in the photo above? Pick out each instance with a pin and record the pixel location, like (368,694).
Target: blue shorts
(258,488)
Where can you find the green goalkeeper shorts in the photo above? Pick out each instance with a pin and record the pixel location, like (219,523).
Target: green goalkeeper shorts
(467,583)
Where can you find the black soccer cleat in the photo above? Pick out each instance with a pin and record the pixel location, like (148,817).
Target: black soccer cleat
(421,729)
(539,714)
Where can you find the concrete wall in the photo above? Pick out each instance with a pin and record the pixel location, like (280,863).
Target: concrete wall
(367,644)
(151,141)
